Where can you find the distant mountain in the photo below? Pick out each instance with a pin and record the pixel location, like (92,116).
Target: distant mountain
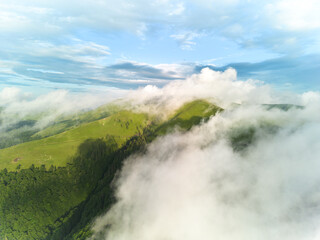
(57,149)
(26,129)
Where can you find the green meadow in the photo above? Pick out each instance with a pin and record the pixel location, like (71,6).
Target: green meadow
(57,149)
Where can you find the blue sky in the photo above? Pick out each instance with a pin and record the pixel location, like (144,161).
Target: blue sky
(86,45)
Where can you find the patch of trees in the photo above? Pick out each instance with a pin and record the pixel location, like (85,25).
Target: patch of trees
(101,197)
(61,202)
(31,199)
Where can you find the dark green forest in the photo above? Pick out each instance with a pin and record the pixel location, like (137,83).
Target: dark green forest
(58,203)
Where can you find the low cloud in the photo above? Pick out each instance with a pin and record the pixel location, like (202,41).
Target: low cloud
(12,94)
(301,72)
(196,185)
(221,88)
(17,105)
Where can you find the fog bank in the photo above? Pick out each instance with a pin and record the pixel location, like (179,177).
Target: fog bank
(196,185)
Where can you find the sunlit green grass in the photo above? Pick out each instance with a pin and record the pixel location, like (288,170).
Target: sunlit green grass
(189,115)
(57,149)
(68,122)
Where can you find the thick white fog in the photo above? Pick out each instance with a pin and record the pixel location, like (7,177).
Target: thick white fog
(195,185)
(222,88)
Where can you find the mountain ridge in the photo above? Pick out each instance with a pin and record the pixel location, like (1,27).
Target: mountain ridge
(60,202)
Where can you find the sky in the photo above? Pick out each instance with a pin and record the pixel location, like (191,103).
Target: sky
(108,45)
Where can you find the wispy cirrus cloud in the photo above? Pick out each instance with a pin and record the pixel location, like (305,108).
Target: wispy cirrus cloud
(77,62)
(293,74)
(186,40)
(244,21)
(147,73)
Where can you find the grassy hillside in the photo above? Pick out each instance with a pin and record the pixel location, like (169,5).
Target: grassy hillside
(17,133)
(51,202)
(68,122)
(56,150)
(27,129)
(35,202)
(189,115)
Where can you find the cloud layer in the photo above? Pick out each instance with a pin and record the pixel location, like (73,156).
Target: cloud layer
(17,105)
(294,73)
(222,88)
(195,185)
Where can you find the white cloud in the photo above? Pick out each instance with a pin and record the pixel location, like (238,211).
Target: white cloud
(44,71)
(86,52)
(179,9)
(194,185)
(176,70)
(296,15)
(222,88)
(61,15)
(310,98)
(11,94)
(185,40)
(18,105)
(21,19)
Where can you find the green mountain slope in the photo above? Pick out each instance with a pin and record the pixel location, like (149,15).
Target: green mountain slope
(188,115)
(50,202)
(68,122)
(27,129)
(101,198)
(56,150)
